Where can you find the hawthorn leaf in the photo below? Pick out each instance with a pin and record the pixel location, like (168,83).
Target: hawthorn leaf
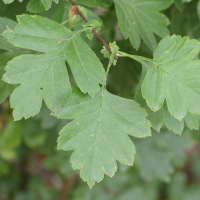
(10,52)
(99,132)
(160,117)
(172,123)
(114,49)
(95,3)
(163,116)
(192,121)
(45,76)
(173,76)
(141,18)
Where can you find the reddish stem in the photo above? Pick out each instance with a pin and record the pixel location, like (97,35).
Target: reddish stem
(78,12)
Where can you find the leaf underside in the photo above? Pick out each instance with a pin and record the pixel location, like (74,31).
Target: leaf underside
(141,19)
(99,133)
(45,76)
(173,76)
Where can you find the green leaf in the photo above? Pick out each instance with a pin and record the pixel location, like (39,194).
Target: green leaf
(141,18)
(82,192)
(192,121)
(179,4)
(11,52)
(157,156)
(3,42)
(198,8)
(8,1)
(94,24)
(47,3)
(99,133)
(33,136)
(5,89)
(161,116)
(47,121)
(35,6)
(95,3)
(44,76)
(114,49)
(185,23)
(10,138)
(131,193)
(174,75)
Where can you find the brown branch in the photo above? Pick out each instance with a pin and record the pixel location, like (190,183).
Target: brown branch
(78,12)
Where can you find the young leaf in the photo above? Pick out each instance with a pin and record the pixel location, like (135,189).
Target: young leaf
(114,49)
(174,75)
(141,18)
(94,24)
(45,75)
(99,132)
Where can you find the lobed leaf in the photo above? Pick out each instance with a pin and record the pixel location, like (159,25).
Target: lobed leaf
(44,76)
(173,76)
(99,133)
(163,116)
(141,18)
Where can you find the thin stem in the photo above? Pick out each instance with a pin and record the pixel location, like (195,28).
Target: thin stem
(78,12)
(108,68)
(135,57)
(65,22)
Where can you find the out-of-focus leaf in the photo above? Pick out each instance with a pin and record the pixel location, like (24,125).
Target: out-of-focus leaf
(157,156)
(95,3)
(10,138)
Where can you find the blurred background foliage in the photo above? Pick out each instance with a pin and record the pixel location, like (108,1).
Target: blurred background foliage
(167,166)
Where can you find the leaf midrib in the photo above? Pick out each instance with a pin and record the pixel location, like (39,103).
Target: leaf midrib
(53,62)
